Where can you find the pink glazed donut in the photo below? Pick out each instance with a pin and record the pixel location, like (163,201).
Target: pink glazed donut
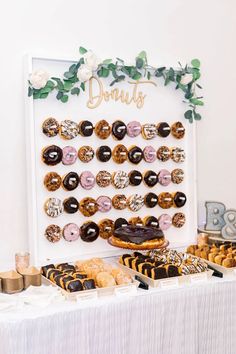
(134,128)
(104,204)
(87,180)
(71,232)
(69,155)
(149,154)
(164,177)
(165,222)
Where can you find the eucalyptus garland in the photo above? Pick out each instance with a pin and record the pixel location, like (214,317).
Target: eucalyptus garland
(184,78)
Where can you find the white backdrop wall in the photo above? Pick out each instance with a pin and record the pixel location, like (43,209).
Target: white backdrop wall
(170,31)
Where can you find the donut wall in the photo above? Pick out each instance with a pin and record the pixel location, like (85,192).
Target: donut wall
(103,156)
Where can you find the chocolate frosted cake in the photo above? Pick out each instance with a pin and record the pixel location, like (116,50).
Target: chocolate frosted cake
(137,237)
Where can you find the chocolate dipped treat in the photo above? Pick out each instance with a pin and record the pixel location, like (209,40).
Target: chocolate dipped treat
(150,178)
(179,199)
(135,154)
(135,178)
(119,130)
(89,231)
(120,222)
(70,181)
(163,129)
(71,205)
(103,153)
(52,155)
(151,221)
(86,128)
(150,200)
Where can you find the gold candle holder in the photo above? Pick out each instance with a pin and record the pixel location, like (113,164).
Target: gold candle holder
(22,261)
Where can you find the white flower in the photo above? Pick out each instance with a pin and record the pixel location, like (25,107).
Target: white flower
(84,73)
(186,79)
(91,60)
(38,79)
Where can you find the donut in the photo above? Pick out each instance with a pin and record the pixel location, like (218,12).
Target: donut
(163,129)
(87,180)
(135,202)
(52,155)
(151,221)
(164,177)
(50,127)
(71,205)
(177,176)
(178,220)
(103,153)
(119,154)
(52,181)
(179,199)
(53,207)
(119,130)
(177,154)
(134,128)
(136,221)
(70,181)
(106,228)
(163,153)
(135,178)
(102,129)
(104,203)
(178,130)
(53,233)
(135,154)
(120,222)
(103,179)
(89,231)
(165,200)
(68,129)
(69,155)
(85,128)
(150,178)
(120,179)
(150,200)
(71,232)
(86,153)
(149,131)
(149,154)
(165,222)
(88,206)
(119,202)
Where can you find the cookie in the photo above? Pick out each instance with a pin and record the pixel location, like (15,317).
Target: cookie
(52,155)
(134,128)
(149,131)
(104,204)
(177,154)
(120,179)
(87,180)
(103,179)
(163,129)
(150,178)
(151,221)
(135,202)
(71,205)
(103,153)
(69,155)
(70,181)
(52,181)
(179,199)
(163,153)
(135,154)
(119,154)
(177,176)
(165,200)
(135,178)
(178,130)
(68,129)
(53,207)
(120,222)
(50,127)
(119,201)
(71,232)
(164,177)
(136,221)
(102,129)
(150,200)
(106,228)
(149,154)
(88,206)
(165,222)
(86,153)
(178,220)
(53,233)
(119,130)
(89,231)
(85,128)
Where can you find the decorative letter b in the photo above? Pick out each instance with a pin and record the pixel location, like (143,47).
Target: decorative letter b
(214,216)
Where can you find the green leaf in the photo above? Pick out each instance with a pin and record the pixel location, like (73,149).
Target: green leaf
(107,61)
(43,95)
(139,63)
(196,102)
(67,85)
(68,74)
(46,89)
(30,91)
(103,72)
(137,76)
(188,114)
(142,55)
(73,68)
(60,85)
(188,95)
(167,81)
(197,116)
(111,66)
(114,74)
(50,84)
(59,95)
(64,98)
(82,86)
(75,91)
(149,75)
(120,78)
(36,94)
(82,50)
(196,63)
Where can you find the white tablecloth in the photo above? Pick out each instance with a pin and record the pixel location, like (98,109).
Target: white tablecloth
(198,319)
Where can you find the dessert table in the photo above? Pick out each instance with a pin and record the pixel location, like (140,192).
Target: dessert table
(194,318)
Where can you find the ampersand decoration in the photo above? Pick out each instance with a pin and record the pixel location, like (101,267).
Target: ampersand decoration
(229,230)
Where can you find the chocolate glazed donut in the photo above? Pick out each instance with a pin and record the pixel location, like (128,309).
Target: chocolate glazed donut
(89,231)
(135,154)
(52,155)
(119,129)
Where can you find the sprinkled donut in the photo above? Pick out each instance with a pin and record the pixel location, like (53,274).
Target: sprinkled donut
(135,202)
(68,129)
(120,179)
(53,207)
(53,233)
